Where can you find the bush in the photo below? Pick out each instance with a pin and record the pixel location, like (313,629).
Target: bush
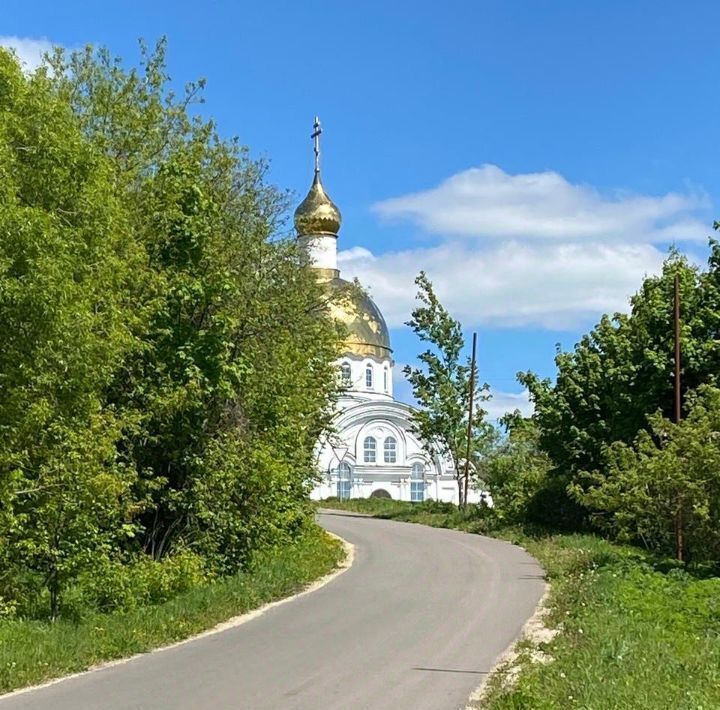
(667,483)
(436,506)
(117,586)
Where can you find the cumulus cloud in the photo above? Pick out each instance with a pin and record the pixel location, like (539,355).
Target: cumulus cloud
(554,286)
(29,50)
(504,402)
(526,250)
(490,203)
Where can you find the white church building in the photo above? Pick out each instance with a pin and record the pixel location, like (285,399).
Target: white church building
(374,451)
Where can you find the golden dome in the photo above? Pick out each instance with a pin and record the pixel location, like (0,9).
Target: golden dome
(317,213)
(367,332)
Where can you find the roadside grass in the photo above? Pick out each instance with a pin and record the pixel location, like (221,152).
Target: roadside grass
(635,631)
(36,651)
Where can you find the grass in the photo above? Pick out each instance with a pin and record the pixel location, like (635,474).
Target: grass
(636,632)
(35,651)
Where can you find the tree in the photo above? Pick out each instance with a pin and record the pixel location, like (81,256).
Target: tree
(670,476)
(622,372)
(516,473)
(236,378)
(168,358)
(442,387)
(67,272)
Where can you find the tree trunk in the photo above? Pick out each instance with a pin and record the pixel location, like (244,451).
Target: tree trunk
(461,497)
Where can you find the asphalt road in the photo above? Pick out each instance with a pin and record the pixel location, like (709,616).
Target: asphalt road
(416,623)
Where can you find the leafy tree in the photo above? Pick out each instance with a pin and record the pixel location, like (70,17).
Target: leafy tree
(516,473)
(66,272)
(237,364)
(168,364)
(622,371)
(442,387)
(664,490)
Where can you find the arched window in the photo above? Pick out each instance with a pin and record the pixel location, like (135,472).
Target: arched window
(385,379)
(417,483)
(345,374)
(368,376)
(344,484)
(369,449)
(390,450)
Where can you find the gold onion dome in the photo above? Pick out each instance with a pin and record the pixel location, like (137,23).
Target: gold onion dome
(317,213)
(367,332)
(318,216)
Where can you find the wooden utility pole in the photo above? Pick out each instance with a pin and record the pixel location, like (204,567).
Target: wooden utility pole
(470,422)
(678,396)
(679,536)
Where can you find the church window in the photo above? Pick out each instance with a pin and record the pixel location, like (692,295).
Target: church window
(344,483)
(345,374)
(417,483)
(369,377)
(390,450)
(369,449)
(385,379)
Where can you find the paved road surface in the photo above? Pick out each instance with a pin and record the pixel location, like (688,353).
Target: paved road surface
(414,624)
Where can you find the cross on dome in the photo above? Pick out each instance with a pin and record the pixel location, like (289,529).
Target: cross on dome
(317,214)
(317,130)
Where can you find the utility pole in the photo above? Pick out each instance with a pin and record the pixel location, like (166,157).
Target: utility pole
(470,422)
(679,541)
(678,396)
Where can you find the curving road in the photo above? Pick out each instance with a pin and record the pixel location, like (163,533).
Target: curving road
(416,623)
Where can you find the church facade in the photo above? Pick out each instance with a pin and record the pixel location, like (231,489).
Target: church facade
(373,451)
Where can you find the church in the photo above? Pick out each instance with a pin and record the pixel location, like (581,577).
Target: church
(373,451)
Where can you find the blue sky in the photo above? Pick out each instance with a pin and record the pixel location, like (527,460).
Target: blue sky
(535,157)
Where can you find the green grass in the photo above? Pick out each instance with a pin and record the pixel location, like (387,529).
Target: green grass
(34,651)
(635,632)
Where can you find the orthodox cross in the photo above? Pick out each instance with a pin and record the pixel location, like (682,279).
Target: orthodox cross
(317,130)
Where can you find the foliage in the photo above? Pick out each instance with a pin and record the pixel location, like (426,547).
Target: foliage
(442,387)
(667,484)
(622,372)
(66,268)
(516,474)
(169,360)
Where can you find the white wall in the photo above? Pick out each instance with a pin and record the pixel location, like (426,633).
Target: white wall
(322,249)
(382,383)
(380,419)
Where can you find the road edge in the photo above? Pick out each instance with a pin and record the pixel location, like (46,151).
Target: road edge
(231,623)
(533,629)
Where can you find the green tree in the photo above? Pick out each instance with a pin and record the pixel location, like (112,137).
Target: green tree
(235,380)
(516,474)
(66,274)
(442,387)
(168,356)
(664,490)
(622,371)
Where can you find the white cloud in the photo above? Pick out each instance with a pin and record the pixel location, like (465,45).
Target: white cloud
(489,203)
(29,50)
(527,250)
(554,286)
(504,402)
